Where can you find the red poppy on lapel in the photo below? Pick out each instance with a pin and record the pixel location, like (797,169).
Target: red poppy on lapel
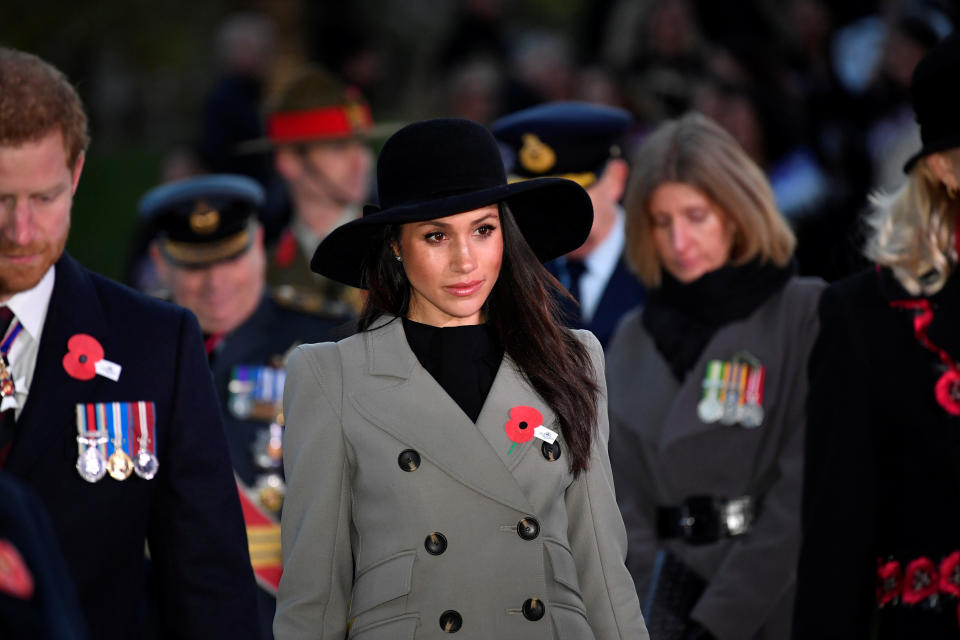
(83,353)
(15,577)
(523,420)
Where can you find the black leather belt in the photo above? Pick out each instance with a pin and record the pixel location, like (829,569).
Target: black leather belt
(705,519)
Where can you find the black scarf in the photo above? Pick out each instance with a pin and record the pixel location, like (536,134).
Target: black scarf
(682,318)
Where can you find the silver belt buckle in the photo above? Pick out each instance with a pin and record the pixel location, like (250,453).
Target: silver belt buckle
(737,515)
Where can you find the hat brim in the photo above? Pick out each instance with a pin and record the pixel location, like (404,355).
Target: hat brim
(373,134)
(942,144)
(554,215)
(195,255)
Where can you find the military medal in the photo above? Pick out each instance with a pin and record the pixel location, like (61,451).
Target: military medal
(119,464)
(145,463)
(256,392)
(7,388)
(752,415)
(732,391)
(91,442)
(709,408)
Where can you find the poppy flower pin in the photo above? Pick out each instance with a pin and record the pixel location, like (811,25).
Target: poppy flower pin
(15,578)
(84,359)
(522,424)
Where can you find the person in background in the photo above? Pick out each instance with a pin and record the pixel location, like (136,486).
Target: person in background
(707,385)
(422,501)
(107,410)
(208,250)
(880,556)
(319,131)
(580,141)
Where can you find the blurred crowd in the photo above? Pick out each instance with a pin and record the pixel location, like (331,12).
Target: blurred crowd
(817,93)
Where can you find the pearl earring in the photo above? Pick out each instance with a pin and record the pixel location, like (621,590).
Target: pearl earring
(399,259)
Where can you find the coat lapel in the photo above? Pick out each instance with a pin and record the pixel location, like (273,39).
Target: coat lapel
(418,412)
(74,308)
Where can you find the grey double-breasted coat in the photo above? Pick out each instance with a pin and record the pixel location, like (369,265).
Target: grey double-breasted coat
(663,453)
(357,521)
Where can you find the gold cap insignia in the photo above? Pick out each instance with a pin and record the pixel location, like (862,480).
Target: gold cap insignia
(204,220)
(535,156)
(357,116)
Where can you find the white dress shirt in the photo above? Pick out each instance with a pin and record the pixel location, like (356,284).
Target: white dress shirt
(601,264)
(30,307)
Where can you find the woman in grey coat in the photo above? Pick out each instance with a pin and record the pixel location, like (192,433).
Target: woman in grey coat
(447,465)
(707,386)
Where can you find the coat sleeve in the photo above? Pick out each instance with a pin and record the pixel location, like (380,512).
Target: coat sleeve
(754,583)
(312,601)
(597,535)
(196,535)
(836,576)
(631,479)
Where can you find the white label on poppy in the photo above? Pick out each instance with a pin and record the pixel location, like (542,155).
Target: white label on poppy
(545,434)
(108,369)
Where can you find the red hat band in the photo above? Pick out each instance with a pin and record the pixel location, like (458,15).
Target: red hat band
(339,121)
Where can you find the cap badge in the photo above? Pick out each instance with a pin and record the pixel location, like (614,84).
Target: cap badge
(356,115)
(536,156)
(204,220)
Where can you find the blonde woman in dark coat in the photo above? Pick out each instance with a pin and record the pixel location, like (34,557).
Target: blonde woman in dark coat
(707,386)
(447,465)
(881,530)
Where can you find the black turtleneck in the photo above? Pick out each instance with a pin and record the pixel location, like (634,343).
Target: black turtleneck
(463,360)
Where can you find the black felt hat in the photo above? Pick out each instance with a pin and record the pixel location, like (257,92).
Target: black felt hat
(934,94)
(438,168)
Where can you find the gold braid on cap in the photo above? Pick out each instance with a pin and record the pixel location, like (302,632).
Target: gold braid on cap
(199,254)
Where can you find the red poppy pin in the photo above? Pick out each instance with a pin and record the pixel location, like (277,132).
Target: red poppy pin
(83,354)
(523,420)
(15,577)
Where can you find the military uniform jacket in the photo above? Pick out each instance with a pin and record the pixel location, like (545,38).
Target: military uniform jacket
(663,453)
(883,482)
(188,513)
(264,337)
(361,507)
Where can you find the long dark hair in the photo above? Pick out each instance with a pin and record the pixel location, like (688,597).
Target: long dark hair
(528,324)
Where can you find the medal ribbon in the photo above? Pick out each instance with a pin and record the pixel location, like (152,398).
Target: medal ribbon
(8,341)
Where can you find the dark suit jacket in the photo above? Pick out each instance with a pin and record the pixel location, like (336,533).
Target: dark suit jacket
(188,514)
(622,293)
(882,480)
(51,611)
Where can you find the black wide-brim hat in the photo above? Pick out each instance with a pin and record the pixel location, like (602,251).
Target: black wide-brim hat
(934,93)
(438,168)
